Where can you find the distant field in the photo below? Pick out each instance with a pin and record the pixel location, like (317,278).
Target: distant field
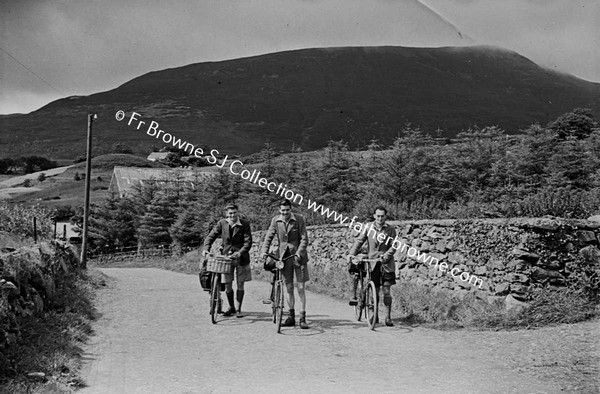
(61,187)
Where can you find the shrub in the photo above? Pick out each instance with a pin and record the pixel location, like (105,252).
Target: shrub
(18,220)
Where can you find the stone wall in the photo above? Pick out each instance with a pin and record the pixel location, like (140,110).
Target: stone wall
(494,257)
(28,278)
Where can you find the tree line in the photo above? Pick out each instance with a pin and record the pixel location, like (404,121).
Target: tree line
(483,172)
(25,165)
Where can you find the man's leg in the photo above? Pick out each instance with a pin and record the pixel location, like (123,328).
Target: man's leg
(376,303)
(229,294)
(291,320)
(239,295)
(354,299)
(302,297)
(387,301)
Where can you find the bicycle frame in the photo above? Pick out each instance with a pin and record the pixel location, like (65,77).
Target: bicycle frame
(215,295)
(277,291)
(368,299)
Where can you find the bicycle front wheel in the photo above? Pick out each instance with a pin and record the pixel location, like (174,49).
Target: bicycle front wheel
(278,305)
(215,293)
(371,307)
(358,308)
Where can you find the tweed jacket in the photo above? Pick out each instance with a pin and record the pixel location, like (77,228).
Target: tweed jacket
(237,240)
(292,236)
(377,249)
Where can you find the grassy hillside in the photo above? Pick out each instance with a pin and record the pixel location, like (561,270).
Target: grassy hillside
(307,97)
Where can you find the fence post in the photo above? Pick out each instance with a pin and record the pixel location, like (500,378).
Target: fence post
(35,229)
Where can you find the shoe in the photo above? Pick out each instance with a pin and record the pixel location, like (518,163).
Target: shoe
(289,322)
(239,314)
(229,312)
(353,302)
(388,322)
(303,324)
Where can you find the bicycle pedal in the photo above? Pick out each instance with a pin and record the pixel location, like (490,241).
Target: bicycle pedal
(352,303)
(266,302)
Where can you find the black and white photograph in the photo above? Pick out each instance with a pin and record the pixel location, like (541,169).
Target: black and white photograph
(299,196)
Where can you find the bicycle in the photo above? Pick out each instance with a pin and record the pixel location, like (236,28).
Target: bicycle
(217,264)
(277,291)
(366,292)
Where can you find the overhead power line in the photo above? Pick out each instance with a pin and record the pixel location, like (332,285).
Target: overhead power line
(28,69)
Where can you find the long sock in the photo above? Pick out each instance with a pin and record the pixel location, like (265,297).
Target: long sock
(292,313)
(230,299)
(387,301)
(239,295)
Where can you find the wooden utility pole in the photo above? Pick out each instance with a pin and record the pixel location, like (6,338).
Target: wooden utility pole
(86,206)
(34,229)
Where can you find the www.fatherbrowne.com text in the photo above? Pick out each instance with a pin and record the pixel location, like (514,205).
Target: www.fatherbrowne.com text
(236,167)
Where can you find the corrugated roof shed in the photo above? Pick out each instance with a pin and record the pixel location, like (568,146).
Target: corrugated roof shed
(125,178)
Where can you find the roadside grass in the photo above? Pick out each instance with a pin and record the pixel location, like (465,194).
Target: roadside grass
(441,309)
(420,305)
(47,358)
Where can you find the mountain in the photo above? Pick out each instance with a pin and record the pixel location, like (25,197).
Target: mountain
(307,97)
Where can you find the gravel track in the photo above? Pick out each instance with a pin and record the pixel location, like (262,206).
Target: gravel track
(155,336)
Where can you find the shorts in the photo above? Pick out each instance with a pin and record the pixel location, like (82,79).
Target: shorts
(382,278)
(289,268)
(243,273)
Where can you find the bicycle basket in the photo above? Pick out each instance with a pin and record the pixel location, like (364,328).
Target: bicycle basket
(219,264)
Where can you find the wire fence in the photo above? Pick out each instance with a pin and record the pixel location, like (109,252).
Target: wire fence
(142,252)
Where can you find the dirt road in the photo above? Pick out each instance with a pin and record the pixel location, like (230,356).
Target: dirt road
(155,336)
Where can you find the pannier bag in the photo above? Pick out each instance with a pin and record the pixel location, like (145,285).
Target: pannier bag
(356,268)
(206,280)
(269,265)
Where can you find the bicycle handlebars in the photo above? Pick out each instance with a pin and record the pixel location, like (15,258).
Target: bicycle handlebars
(278,262)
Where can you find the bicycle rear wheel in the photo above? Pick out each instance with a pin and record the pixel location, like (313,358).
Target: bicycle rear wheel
(358,308)
(278,304)
(371,307)
(215,293)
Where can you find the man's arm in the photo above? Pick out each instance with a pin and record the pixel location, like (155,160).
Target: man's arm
(390,251)
(212,236)
(269,237)
(247,237)
(358,243)
(303,238)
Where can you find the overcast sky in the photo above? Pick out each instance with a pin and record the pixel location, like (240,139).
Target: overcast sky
(57,48)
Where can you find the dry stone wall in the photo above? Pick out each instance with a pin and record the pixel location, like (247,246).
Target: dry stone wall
(492,257)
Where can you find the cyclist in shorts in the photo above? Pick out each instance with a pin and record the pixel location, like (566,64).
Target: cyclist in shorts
(384,272)
(236,239)
(293,240)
